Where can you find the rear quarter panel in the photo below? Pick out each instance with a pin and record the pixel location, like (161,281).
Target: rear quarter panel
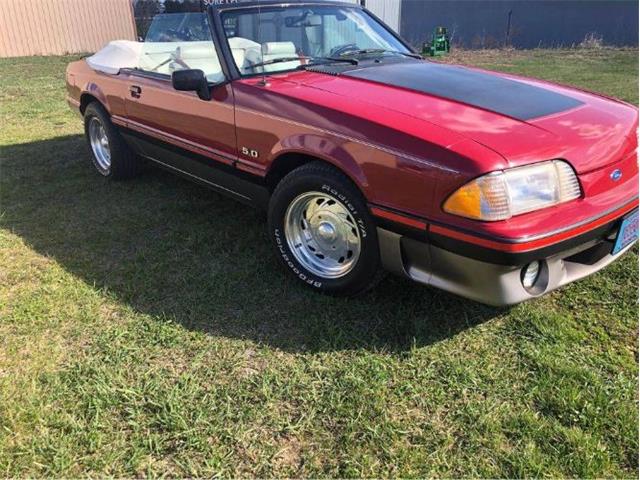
(110,90)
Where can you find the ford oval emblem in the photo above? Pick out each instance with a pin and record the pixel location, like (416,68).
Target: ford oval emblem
(616,175)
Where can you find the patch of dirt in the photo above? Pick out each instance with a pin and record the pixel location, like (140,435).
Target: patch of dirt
(289,454)
(253,364)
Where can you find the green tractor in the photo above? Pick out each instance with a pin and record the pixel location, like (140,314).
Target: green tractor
(439,44)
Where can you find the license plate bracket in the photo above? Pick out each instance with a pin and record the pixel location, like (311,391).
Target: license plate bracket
(627,233)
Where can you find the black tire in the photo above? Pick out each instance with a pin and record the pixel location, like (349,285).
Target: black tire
(123,162)
(320,177)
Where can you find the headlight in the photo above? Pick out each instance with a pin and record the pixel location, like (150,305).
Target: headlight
(501,195)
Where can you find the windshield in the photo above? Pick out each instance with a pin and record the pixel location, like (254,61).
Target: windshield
(179,27)
(275,39)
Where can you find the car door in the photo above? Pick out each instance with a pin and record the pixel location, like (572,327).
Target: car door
(174,128)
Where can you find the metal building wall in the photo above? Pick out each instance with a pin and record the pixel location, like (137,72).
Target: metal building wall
(534,23)
(57,27)
(387,10)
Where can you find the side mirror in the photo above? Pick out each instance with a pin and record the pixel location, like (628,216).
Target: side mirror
(191,81)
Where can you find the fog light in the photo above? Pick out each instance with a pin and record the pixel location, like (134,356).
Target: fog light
(530,274)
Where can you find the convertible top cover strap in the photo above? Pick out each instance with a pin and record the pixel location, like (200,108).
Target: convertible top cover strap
(490,92)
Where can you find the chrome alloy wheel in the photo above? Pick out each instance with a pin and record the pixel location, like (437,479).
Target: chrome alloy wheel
(322,235)
(100,144)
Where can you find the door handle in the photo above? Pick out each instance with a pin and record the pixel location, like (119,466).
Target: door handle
(135,91)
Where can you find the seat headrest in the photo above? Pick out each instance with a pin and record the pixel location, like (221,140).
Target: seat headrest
(279,48)
(243,43)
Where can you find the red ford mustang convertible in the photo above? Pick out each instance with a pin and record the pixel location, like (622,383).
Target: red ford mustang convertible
(491,186)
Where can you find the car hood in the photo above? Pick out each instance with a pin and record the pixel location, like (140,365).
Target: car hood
(521,119)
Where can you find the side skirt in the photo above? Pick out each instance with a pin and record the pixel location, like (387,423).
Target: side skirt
(220,177)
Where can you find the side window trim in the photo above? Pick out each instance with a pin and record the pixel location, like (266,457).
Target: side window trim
(137,72)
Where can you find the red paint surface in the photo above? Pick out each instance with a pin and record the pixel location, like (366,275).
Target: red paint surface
(526,246)
(406,151)
(396,217)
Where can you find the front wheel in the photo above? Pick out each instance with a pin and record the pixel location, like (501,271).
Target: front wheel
(323,232)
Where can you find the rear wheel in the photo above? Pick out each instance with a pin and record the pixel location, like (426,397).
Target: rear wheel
(323,232)
(111,156)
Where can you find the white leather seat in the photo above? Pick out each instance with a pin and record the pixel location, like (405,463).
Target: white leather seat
(167,57)
(275,50)
(245,53)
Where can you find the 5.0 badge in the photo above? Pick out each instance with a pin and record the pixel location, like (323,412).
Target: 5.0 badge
(249,153)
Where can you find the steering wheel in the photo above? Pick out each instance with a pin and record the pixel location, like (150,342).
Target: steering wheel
(342,49)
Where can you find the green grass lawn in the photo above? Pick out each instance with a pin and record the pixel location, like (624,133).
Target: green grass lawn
(146,328)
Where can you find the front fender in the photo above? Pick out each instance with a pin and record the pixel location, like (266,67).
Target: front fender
(386,177)
(324,148)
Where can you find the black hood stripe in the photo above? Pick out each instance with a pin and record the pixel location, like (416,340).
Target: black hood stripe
(484,90)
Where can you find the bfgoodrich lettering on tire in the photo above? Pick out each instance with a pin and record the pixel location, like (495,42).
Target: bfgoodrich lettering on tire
(322,231)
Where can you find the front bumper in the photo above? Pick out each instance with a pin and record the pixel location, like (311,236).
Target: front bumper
(497,283)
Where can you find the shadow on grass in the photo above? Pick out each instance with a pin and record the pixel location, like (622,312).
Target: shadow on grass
(179,252)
